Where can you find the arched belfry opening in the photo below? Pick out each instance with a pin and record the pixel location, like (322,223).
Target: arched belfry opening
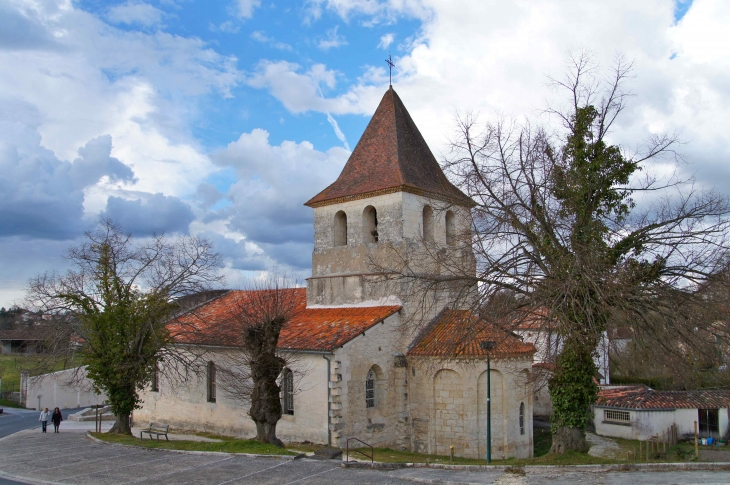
(370,225)
(341,229)
(450,228)
(427,223)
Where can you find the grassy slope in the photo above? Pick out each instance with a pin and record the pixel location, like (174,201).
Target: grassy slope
(12,365)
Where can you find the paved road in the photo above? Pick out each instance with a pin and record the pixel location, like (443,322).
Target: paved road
(71,458)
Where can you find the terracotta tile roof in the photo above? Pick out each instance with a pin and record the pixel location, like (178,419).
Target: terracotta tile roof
(319,329)
(457,334)
(390,156)
(642,397)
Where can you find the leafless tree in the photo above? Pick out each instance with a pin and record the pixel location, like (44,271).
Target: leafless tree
(114,306)
(573,231)
(251,369)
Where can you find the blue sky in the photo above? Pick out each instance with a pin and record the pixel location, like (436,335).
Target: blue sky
(222,118)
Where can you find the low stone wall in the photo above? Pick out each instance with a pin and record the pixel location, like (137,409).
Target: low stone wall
(63,389)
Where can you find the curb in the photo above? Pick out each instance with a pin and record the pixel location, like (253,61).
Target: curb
(618,467)
(192,452)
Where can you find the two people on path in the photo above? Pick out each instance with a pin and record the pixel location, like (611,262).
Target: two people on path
(44,418)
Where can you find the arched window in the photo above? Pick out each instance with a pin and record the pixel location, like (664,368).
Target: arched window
(522,418)
(287,392)
(450,228)
(370,225)
(341,229)
(210,381)
(370,389)
(427,223)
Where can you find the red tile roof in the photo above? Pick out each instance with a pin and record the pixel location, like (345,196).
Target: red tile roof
(642,397)
(318,329)
(391,156)
(458,334)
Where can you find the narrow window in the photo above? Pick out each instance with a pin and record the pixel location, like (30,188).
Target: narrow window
(341,229)
(522,418)
(427,223)
(211,381)
(450,228)
(287,392)
(155,382)
(370,225)
(370,389)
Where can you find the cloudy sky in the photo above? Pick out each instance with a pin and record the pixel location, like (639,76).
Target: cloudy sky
(222,118)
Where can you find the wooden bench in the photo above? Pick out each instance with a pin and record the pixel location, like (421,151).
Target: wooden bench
(157,429)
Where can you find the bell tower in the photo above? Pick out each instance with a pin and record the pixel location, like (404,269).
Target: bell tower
(391,196)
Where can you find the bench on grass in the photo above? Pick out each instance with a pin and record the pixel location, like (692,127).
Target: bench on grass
(157,429)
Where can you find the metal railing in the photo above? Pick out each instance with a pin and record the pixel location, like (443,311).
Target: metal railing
(357,450)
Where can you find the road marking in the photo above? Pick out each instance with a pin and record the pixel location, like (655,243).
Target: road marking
(178,471)
(36,452)
(113,468)
(310,476)
(254,473)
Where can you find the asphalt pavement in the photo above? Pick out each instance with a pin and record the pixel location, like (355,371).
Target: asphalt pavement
(73,459)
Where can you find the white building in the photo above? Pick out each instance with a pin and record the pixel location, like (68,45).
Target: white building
(374,363)
(639,413)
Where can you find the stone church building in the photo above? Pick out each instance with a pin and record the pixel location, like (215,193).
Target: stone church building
(372,360)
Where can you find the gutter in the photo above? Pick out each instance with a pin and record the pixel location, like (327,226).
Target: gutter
(329,432)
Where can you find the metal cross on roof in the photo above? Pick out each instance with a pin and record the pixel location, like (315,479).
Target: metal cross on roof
(389,60)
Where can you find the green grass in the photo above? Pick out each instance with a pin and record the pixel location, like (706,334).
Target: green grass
(7,403)
(227,445)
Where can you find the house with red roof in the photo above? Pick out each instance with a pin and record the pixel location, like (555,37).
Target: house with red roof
(375,358)
(639,412)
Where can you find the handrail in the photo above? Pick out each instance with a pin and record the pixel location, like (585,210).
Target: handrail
(356,450)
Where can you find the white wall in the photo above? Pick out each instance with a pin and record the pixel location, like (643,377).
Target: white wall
(185,406)
(647,423)
(63,389)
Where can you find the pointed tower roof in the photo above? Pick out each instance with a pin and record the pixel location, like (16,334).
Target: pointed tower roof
(391,156)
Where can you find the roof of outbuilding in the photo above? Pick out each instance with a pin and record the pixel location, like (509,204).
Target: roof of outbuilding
(458,334)
(390,156)
(314,329)
(642,397)
(24,334)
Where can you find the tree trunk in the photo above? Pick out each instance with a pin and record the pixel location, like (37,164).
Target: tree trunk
(566,438)
(121,425)
(266,433)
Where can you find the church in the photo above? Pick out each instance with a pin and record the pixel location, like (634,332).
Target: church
(375,359)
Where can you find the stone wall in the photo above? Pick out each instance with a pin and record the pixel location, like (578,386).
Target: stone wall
(448,407)
(63,389)
(185,406)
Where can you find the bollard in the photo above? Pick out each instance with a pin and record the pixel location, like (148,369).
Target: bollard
(451,459)
(640,455)
(697,443)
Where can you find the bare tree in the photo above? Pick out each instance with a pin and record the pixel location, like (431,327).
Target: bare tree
(116,302)
(251,370)
(574,231)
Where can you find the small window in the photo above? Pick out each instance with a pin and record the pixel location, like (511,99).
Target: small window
(450,228)
(370,389)
(287,392)
(614,416)
(211,381)
(370,225)
(522,418)
(427,223)
(155,383)
(341,229)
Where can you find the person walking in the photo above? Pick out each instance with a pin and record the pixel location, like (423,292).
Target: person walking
(44,417)
(56,417)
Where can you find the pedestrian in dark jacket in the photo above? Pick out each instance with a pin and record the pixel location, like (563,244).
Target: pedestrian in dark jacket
(56,417)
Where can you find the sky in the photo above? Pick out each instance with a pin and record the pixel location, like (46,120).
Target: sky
(221,118)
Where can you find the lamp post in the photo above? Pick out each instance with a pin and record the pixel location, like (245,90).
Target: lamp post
(488,345)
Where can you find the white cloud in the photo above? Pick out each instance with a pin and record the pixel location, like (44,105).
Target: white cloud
(386,40)
(332,39)
(245,8)
(226,27)
(260,36)
(135,12)
(376,11)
